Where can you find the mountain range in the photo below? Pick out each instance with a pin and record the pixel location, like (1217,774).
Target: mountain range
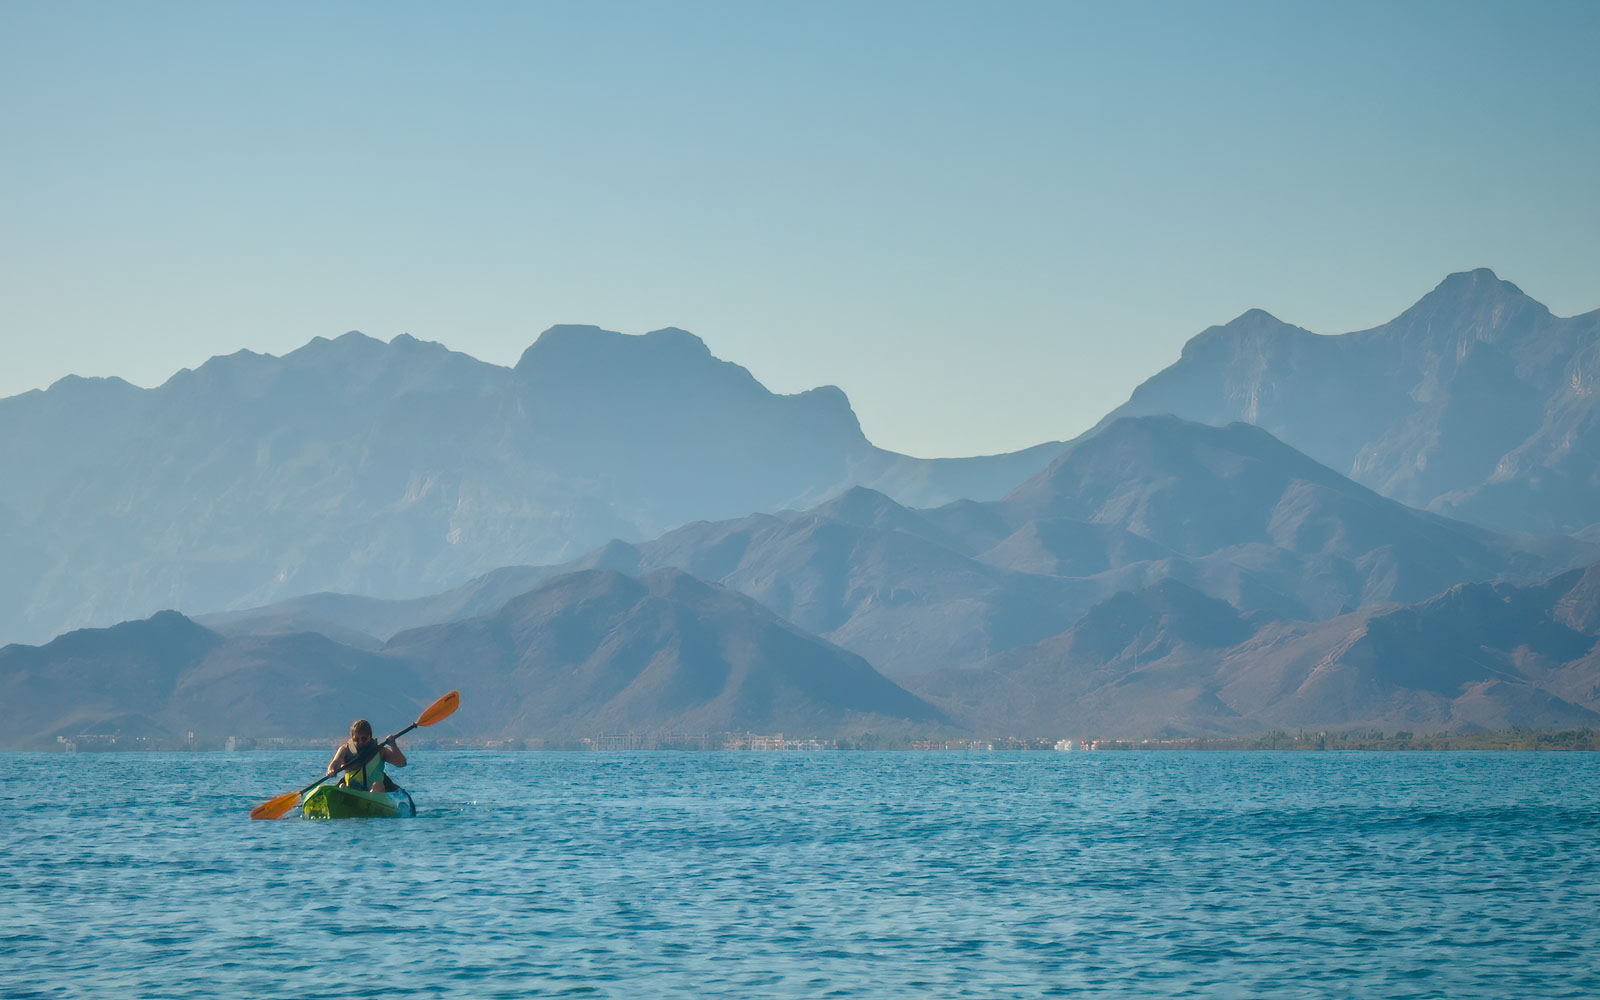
(584,653)
(595,651)
(1169,661)
(1231,511)
(399,469)
(1476,402)
(1393,528)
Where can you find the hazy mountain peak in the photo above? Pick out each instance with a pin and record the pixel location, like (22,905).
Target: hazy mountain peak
(560,340)
(1254,318)
(1478,281)
(350,344)
(323,371)
(406,346)
(596,650)
(617,555)
(667,415)
(164,630)
(1202,492)
(676,585)
(562,331)
(563,591)
(81,384)
(569,344)
(1470,304)
(1251,329)
(223,368)
(827,394)
(858,505)
(1182,438)
(678,340)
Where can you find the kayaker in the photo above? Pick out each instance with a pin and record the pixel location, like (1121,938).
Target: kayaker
(367,760)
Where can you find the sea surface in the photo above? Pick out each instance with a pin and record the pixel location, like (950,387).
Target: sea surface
(874,875)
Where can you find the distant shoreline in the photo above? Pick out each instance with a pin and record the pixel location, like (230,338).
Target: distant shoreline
(1301,741)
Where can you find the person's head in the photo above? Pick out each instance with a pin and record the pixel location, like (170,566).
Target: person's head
(361,732)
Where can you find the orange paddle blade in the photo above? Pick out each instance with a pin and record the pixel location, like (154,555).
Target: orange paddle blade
(273,808)
(440,709)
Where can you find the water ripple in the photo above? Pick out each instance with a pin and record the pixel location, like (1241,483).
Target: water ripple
(829,875)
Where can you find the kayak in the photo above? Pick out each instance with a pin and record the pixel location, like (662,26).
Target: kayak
(339,802)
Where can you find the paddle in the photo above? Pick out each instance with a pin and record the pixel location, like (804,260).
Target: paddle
(274,808)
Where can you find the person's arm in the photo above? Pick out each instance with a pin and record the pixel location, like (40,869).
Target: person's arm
(338,759)
(393,754)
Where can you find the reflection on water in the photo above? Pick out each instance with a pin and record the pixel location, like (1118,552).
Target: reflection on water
(831,874)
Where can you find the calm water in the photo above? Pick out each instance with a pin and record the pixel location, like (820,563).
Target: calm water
(825,875)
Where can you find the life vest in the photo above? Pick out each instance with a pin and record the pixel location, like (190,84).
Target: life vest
(367,769)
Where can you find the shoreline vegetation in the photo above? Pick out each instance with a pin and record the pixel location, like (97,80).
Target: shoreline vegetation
(1277,740)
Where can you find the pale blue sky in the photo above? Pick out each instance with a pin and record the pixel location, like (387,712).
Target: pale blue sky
(986,222)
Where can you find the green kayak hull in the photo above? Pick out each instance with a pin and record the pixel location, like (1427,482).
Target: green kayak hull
(336,802)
